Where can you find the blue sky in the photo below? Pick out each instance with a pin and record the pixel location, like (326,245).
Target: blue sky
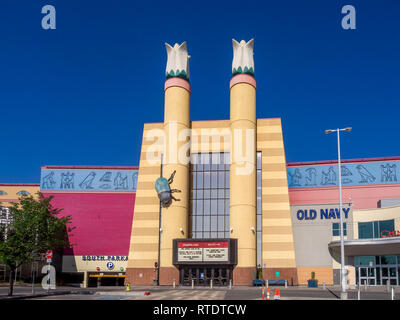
(79,95)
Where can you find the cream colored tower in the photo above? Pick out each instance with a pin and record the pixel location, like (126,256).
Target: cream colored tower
(243,166)
(174,219)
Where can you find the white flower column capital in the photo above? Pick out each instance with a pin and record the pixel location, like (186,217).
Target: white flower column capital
(177,61)
(243,61)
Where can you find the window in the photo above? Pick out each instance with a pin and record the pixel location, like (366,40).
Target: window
(373,229)
(2,192)
(336,229)
(23,193)
(209,214)
(259,209)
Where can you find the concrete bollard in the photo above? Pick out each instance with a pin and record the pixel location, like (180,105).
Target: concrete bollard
(323,285)
(392,293)
(285,283)
(174,284)
(230,284)
(211,283)
(192,284)
(358,294)
(267,283)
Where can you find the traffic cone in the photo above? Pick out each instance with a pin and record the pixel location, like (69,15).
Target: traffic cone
(267,293)
(277,294)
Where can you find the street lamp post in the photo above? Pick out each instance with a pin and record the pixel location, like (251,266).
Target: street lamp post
(343,294)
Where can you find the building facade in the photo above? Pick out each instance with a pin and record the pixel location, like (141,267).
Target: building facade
(100,201)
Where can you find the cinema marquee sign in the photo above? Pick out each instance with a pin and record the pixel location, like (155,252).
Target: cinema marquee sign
(210,251)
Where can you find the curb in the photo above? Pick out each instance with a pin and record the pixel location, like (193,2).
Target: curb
(58,293)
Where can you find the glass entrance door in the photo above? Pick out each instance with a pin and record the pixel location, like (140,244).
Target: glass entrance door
(389,275)
(367,276)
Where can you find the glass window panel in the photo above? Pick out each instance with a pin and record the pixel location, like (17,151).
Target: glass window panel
(259,193)
(386,225)
(227,207)
(259,207)
(195,235)
(221,206)
(259,160)
(214,223)
(365,230)
(365,260)
(388,259)
(214,193)
(221,165)
(214,180)
(194,225)
(194,158)
(207,194)
(227,227)
(376,229)
(214,234)
(221,234)
(206,235)
(199,194)
(385,272)
(206,208)
(206,180)
(227,193)
(221,225)
(206,161)
(193,206)
(259,225)
(199,223)
(221,179)
(221,193)
(214,207)
(227,234)
(199,207)
(227,177)
(206,223)
(199,180)
(194,180)
(258,178)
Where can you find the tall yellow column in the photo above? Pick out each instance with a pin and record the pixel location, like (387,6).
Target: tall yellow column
(174,219)
(243,175)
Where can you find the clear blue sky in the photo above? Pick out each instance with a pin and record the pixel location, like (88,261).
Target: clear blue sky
(79,95)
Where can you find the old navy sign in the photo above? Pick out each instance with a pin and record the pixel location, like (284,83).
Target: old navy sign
(323,213)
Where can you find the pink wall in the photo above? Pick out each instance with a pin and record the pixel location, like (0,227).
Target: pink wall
(363,197)
(103,221)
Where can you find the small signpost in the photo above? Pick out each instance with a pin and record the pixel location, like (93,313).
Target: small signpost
(49,256)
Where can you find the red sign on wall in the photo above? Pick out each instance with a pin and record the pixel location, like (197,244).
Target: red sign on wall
(389,234)
(203,244)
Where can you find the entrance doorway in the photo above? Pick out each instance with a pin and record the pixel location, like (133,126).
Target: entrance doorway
(202,276)
(367,276)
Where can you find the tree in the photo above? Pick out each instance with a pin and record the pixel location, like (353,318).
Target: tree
(33,227)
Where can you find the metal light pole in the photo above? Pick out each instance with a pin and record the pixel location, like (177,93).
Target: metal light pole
(343,294)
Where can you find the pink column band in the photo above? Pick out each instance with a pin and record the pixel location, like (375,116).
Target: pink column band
(243,78)
(177,82)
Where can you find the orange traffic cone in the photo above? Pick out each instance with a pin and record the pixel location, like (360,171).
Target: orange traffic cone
(277,294)
(267,293)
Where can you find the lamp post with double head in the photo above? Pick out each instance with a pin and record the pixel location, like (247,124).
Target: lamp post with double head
(343,294)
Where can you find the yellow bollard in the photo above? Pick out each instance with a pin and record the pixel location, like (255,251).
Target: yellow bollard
(128,287)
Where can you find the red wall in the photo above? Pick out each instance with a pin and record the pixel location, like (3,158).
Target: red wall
(363,197)
(103,221)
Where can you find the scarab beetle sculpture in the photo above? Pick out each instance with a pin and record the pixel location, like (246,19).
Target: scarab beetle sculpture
(164,190)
